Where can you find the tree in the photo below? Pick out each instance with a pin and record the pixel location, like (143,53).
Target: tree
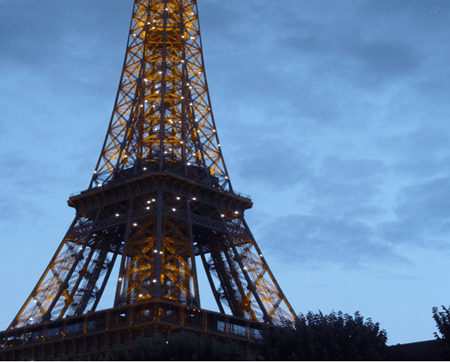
(443,324)
(183,346)
(336,336)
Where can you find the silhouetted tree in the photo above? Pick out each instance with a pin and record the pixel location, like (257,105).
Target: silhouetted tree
(336,336)
(181,346)
(443,324)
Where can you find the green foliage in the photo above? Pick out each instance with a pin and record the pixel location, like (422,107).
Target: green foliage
(336,336)
(181,347)
(443,324)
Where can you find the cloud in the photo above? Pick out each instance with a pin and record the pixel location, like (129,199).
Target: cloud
(314,240)
(272,162)
(422,216)
(340,184)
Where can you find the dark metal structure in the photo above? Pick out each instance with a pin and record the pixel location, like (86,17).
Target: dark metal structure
(95,335)
(160,202)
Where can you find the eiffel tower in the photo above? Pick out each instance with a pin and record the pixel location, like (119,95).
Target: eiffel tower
(160,201)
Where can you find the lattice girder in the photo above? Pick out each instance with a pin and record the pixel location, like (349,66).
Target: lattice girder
(162,112)
(160,196)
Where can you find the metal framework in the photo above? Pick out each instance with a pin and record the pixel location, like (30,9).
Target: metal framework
(160,195)
(95,336)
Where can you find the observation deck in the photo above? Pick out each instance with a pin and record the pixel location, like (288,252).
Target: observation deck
(99,333)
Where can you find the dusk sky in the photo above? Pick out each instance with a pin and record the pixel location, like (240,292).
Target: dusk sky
(333,115)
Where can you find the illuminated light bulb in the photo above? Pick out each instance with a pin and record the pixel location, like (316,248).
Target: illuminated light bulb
(145,168)
(140,295)
(100,185)
(154,280)
(155,251)
(245,268)
(153,200)
(148,202)
(120,279)
(153,27)
(95,171)
(222,215)
(148,208)
(196,120)
(226,177)
(178,198)
(160,252)
(134,224)
(236,212)
(261,255)
(188,163)
(34,300)
(194,198)
(174,210)
(117,215)
(31,318)
(81,248)
(214,130)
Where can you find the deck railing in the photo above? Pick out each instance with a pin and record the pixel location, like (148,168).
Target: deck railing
(133,315)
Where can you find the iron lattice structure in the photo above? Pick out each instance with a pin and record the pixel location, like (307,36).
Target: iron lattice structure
(160,194)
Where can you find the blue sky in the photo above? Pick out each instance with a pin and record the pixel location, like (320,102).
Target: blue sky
(333,116)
